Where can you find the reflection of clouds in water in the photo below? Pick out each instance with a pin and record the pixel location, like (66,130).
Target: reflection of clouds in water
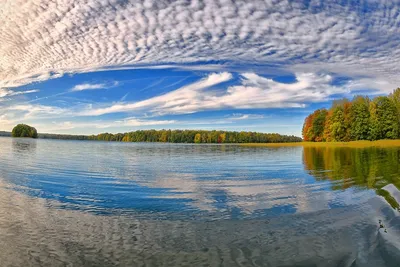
(174,178)
(210,176)
(207,178)
(34,232)
(253,195)
(248,195)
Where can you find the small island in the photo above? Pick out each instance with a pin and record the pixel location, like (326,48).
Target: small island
(23,130)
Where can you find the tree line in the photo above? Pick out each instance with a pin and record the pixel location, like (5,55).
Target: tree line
(359,119)
(5,134)
(179,136)
(195,136)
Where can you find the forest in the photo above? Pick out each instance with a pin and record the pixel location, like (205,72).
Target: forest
(359,119)
(178,136)
(195,136)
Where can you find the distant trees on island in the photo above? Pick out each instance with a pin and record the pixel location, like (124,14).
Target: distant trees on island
(182,136)
(5,134)
(360,119)
(23,130)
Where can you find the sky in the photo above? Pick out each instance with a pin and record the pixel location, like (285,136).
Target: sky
(86,67)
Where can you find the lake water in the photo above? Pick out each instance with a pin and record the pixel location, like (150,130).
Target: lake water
(78,203)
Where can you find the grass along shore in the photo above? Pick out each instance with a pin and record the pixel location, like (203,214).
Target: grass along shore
(356,144)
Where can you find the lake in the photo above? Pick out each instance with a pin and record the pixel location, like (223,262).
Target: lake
(82,203)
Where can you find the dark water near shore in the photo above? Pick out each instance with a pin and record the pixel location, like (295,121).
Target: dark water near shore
(76,203)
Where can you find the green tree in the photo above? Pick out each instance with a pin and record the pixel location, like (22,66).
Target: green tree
(395,98)
(387,118)
(348,120)
(23,130)
(360,118)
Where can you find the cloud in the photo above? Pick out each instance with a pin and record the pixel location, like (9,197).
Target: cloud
(88,86)
(36,108)
(8,92)
(6,122)
(91,86)
(141,122)
(28,113)
(25,112)
(254,92)
(239,116)
(187,96)
(100,124)
(44,39)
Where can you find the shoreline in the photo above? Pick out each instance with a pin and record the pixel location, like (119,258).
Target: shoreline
(355,144)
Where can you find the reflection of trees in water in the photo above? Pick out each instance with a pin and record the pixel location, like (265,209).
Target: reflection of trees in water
(24,145)
(369,168)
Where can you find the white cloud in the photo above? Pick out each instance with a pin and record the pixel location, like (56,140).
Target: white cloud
(140,122)
(35,109)
(45,39)
(187,96)
(239,116)
(6,122)
(4,92)
(88,86)
(97,125)
(92,86)
(255,92)
(20,113)
(27,113)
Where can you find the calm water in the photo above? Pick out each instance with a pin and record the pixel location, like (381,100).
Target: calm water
(76,203)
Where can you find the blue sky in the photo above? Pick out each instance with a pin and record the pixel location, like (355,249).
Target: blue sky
(117,66)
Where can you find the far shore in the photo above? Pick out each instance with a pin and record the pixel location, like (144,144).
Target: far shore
(356,144)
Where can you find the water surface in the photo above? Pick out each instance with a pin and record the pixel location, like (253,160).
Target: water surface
(80,203)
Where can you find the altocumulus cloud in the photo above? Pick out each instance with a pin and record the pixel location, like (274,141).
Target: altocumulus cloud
(50,38)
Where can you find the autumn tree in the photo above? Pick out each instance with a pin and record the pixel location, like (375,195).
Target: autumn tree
(307,128)
(318,125)
(197,138)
